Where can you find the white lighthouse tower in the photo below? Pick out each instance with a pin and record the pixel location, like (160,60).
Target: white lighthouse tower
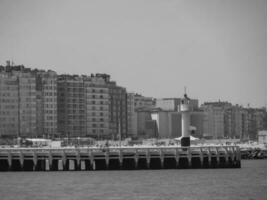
(185,110)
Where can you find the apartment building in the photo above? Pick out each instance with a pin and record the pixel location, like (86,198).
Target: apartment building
(236,122)
(46,97)
(118,110)
(97,107)
(91,106)
(213,123)
(136,101)
(71,106)
(9,105)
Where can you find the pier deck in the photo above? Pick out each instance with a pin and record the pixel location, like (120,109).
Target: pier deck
(116,158)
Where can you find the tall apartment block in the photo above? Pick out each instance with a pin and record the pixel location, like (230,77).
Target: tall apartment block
(91,106)
(30,101)
(256,117)
(136,101)
(213,124)
(131,115)
(46,100)
(118,110)
(97,106)
(236,122)
(9,102)
(71,106)
(18,102)
(222,119)
(27,103)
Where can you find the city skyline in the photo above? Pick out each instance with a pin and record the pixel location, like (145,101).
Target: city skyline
(217,49)
(12,64)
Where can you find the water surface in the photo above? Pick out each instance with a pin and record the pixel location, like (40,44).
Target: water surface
(247,183)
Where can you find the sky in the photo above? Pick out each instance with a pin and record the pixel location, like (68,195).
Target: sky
(217,49)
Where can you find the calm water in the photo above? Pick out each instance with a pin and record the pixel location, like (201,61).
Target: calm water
(249,182)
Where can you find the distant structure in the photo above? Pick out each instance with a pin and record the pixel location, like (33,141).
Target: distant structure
(91,106)
(185,110)
(28,102)
(172,104)
(39,103)
(224,120)
(46,103)
(262,137)
(136,102)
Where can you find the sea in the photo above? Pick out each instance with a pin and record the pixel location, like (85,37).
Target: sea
(247,183)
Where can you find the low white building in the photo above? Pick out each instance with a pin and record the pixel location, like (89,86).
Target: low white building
(262,137)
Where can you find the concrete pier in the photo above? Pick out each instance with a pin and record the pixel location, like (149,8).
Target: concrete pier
(118,158)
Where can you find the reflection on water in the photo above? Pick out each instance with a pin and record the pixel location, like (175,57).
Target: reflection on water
(249,182)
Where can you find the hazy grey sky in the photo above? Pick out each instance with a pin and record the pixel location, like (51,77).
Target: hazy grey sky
(218,49)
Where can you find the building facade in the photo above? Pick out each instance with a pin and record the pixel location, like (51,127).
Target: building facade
(71,106)
(136,101)
(213,123)
(97,107)
(91,106)
(118,110)
(18,86)
(46,103)
(172,104)
(9,105)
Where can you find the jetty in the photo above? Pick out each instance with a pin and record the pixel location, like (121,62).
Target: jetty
(118,158)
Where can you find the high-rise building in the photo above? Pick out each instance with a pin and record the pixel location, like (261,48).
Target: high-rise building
(236,122)
(213,125)
(118,110)
(146,125)
(131,115)
(256,118)
(9,102)
(97,107)
(27,104)
(136,101)
(222,119)
(19,86)
(71,106)
(33,94)
(91,106)
(46,103)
